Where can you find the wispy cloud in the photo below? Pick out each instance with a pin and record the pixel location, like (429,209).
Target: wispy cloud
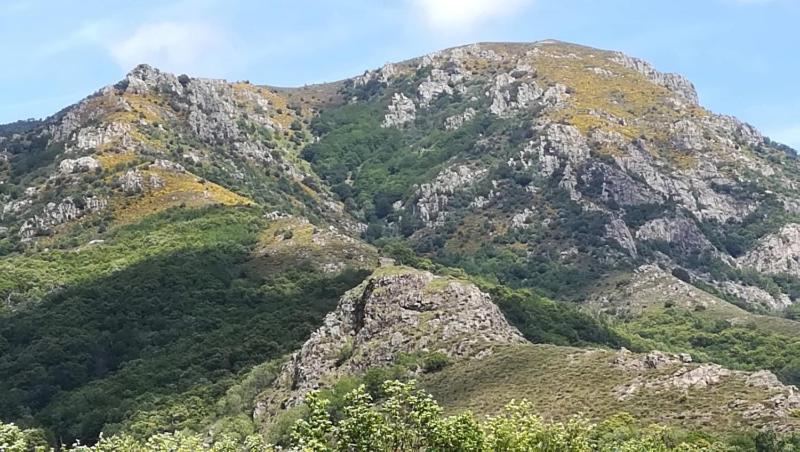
(90,33)
(193,47)
(464,15)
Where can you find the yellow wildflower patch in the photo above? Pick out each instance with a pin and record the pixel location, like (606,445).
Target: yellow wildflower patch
(178,189)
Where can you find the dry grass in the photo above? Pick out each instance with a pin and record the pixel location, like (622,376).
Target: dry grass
(624,102)
(109,160)
(179,189)
(563,381)
(288,242)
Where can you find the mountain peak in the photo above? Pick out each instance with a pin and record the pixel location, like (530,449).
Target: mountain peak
(543,169)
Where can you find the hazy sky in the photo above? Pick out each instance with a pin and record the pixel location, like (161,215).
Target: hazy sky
(743,55)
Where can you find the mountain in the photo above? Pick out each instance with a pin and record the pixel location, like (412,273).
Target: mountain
(496,220)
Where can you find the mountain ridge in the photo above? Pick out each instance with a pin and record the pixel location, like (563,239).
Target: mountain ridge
(588,196)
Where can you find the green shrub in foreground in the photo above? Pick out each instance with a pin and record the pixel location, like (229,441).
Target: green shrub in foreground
(410,420)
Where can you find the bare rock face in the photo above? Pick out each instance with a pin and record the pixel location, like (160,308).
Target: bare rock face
(755,295)
(132,181)
(674,82)
(433,197)
(561,143)
(680,232)
(79,165)
(89,138)
(509,96)
(618,231)
(382,75)
(54,214)
(396,310)
(763,379)
(439,82)
(456,121)
(401,111)
(776,253)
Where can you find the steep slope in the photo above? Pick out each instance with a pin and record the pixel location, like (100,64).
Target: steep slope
(573,162)
(166,241)
(146,233)
(157,140)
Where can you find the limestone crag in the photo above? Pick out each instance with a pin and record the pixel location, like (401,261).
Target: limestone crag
(433,197)
(54,214)
(79,165)
(456,121)
(136,181)
(755,296)
(674,82)
(401,111)
(680,232)
(776,253)
(395,311)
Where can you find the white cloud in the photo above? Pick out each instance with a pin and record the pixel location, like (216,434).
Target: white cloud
(196,48)
(463,15)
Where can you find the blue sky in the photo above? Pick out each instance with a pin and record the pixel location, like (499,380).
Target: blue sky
(743,55)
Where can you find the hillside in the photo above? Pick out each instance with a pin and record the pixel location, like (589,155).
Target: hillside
(167,243)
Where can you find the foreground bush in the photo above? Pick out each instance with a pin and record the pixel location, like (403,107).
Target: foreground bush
(410,420)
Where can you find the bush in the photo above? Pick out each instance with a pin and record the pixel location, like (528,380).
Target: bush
(410,420)
(682,274)
(435,361)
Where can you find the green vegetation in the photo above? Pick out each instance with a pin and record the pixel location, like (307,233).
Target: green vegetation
(410,420)
(161,319)
(735,345)
(544,321)
(158,322)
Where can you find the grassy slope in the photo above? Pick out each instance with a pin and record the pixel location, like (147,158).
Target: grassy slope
(563,381)
(659,311)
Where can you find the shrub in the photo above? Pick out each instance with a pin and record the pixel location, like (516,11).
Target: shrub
(435,361)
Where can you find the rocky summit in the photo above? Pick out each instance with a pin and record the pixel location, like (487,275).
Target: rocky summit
(496,222)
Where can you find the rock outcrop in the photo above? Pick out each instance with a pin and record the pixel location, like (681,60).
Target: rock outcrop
(665,373)
(777,253)
(79,165)
(54,214)
(456,121)
(674,82)
(401,111)
(679,232)
(434,197)
(395,311)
